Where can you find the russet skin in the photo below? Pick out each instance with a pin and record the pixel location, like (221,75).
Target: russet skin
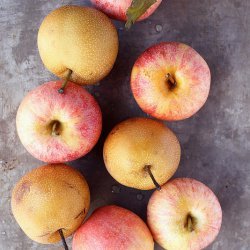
(137,144)
(50,198)
(80,39)
(117,8)
(170,81)
(113,228)
(185,214)
(56,127)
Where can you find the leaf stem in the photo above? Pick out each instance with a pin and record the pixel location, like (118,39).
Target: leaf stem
(136,10)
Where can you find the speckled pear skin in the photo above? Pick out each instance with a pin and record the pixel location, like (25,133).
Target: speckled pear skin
(139,142)
(50,198)
(81,39)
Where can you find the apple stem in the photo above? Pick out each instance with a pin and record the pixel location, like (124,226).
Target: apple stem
(61,90)
(171,81)
(190,227)
(55,128)
(63,239)
(148,169)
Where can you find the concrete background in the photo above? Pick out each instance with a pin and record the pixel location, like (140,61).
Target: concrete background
(215,142)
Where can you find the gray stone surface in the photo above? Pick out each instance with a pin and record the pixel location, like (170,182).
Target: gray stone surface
(215,142)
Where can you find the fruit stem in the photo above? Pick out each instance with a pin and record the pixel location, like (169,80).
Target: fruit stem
(190,227)
(61,90)
(55,128)
(171,81)
(148,169)
(63,239)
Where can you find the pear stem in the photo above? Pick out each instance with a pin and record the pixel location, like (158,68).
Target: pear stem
(148,169)
(55,128)
(61,90)
(171,81)
(63,239)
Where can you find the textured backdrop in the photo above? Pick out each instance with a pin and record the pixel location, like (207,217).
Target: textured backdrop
(215,142)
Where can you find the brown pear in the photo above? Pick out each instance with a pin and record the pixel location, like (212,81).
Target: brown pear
(78,41)
(141,153)
(50,198)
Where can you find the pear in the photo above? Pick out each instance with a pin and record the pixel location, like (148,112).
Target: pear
(50,200)
(141,153)
(78,43)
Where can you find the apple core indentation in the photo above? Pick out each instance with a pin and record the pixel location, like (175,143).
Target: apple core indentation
(190,223)
(171,81)
(55,128)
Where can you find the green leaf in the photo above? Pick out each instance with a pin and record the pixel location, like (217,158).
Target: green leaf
(136,10)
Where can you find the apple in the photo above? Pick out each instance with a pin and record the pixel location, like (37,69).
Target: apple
(56,127)
(49,201)
(78,40)
(112,228)
(127,10)
(170,81)
(141,153)
(185,214)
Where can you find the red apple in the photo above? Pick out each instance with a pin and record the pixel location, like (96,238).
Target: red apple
(113,228)
(117,9)
(185,214)
(56,127)
(170,81)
